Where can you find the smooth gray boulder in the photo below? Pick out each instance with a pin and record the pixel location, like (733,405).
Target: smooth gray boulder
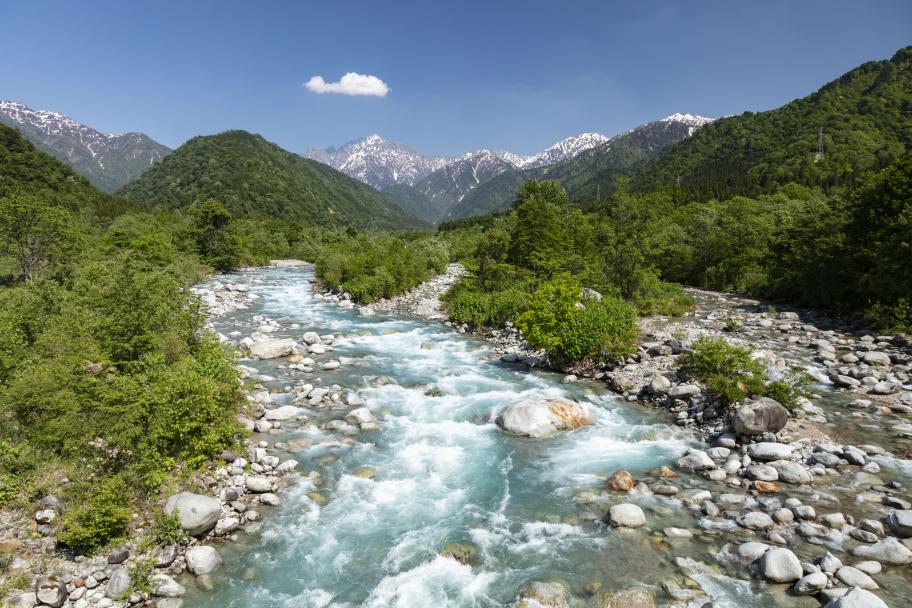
(856,598)
(758,416)
(50,591)
(811,583)
(543,416)
(165,586)
(900,523)
(853,577)
(272,348)
(768,451)
(887,551)
(792,472)
(203,559)
(119,584)
(780,565)
(198,513)
(627,515)
(750,552)
(696,460)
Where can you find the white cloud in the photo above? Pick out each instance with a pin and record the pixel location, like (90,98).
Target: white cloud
(350,84)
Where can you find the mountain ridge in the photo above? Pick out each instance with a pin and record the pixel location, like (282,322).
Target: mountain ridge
(108,160)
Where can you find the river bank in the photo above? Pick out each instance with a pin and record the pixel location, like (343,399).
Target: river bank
(406,492)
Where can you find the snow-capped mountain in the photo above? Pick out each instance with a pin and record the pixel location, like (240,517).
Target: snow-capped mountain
(450,183)
(564,149)
(378,162)
(109,160)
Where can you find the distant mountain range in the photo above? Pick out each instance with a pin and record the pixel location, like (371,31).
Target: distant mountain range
(108,160)
(430,186)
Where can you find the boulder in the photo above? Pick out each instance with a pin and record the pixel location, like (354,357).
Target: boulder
(257,484)
(751,551)
(627,515)
(811,583)
(272,348)
(792,472)
(780,565)
(119,584)
(696,460)
(50,591)
(756,520)
(768,450)
(543,416)
(544,595)
(164,586)
(198,513)
(361,415)
(758,416)
(203,559)
(628,598)
(620,481)
(285,412)
(853,577)
(900,523)
(887,550)
(876,358)
(684,391)
(856,598)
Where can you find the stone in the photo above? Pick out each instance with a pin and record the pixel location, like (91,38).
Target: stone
(876,358)
(285,412)
(541,594)
(884,388)
(792,472)
(119,555)
(620,481)
(684,391)
(750,552)
(628,598)
(198,513)
(257,484)
(46,516)
(768,450)
(696,460)
(756,520)
(627,515)
(758,416)
(203,559)
(464,553)
(887,551)
(853,577)
(678,533)
(119,584)
(762,472)
(164,586)
(361,415)
(829,563)
(660,385)
(856,598)
(543,416)
(766,487)
(837,521)
(811,583)
(272,349)
(870,567)
(780,565)
(226,525)
(50,591)
(900,522)
(166,556)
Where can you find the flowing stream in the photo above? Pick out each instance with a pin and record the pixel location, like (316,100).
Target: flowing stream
(442,473)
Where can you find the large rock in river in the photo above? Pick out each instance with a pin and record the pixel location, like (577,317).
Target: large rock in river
(758,416)
(542,416)
(198,513)
(272,349)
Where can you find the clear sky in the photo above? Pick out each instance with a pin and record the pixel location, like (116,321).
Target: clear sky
(460,75)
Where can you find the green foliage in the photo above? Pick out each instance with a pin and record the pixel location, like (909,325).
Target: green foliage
(101,516)
(254,178)
(166,529)
(556,320)
(373,266)
(217,245)
(37,234)
(729,372)
(790,390)
(864,115)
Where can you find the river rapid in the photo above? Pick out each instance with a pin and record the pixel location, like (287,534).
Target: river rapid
(369,528)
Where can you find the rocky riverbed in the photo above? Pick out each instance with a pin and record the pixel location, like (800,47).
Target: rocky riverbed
(395,462)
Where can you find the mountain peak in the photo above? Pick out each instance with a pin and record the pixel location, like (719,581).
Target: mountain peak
(693,120)
(109,160)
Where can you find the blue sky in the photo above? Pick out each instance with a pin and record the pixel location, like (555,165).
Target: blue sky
(461,75)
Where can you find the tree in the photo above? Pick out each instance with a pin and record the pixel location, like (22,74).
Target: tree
(216,242)
(538,239)
(37,233)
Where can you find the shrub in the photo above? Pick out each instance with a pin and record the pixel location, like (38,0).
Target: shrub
(729,372)
(166,529)
(102,517)
(790,390)
(480,309)
(602,328)
(558,322)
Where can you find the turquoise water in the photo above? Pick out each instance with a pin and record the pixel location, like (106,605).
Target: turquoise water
(444,473)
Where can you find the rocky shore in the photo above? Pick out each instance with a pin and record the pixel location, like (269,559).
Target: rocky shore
(814,503)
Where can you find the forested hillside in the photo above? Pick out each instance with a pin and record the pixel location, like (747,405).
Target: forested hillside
(255,178)
(866,121)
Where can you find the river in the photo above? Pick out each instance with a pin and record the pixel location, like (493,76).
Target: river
(439,471)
